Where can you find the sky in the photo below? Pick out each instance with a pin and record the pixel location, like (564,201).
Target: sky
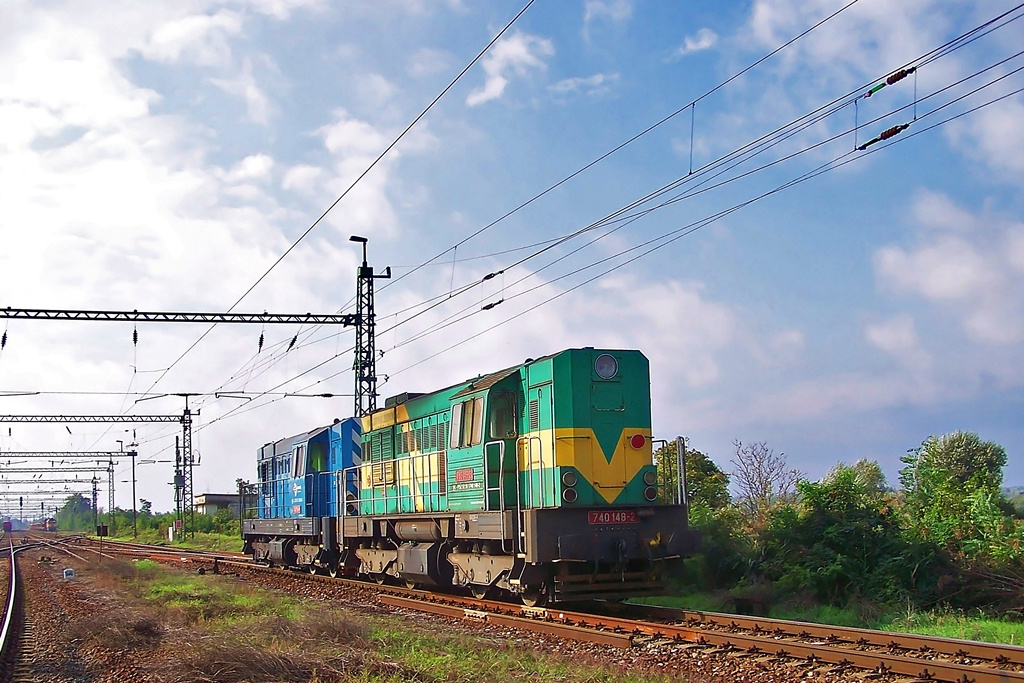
(836,303)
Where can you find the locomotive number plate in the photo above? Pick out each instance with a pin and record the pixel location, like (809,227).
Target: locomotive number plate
(612,517)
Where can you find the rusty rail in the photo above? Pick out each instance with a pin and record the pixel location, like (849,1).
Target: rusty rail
(878,651)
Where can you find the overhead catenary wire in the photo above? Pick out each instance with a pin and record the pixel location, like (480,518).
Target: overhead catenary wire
(701,223)
(751,150)
(664,240)
(453,292)
(355,182)
(475,283)
(302,374)
(626,143)
(942,50)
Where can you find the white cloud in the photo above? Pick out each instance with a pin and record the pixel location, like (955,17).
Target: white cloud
(970,267)
(514,55)
(704,40)
(896,335)
(252,167)
(244,85)
(353,144)
(199,38)
(428,61)
(598,84)
(373,89)
(282,9)
(993,136)
(608,10)
(303,179)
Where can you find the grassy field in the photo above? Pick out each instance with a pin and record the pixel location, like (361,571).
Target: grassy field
(201,541)
(941,623)
(206,625)
(946,624)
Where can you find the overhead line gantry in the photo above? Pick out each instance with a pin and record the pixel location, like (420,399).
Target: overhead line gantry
(364,364)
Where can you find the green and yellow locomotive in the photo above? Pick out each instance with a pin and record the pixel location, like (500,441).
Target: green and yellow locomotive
(537,480)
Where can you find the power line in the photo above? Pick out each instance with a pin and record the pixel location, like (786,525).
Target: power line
(441,298)
(687,229)
(356,181)
(629,141)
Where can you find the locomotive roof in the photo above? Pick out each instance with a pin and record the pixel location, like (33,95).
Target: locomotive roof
(480,381)
(285,445)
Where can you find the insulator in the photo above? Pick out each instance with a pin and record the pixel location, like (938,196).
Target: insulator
(135,336)
(871,92)
(895,130)
(292,343)
(3,340)
(261,343)
(492,305)
(900,75)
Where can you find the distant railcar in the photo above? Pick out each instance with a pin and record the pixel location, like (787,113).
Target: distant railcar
(8,526)
(537,480)
(50,524)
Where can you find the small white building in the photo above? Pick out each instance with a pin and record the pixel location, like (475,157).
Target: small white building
(210,503)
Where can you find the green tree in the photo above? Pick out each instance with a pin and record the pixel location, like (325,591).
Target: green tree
(76,514)
(952,484)
(843,540)
(867,473)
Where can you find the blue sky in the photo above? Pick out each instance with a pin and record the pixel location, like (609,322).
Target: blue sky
(162,156)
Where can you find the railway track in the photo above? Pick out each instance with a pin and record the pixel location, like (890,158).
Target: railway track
(668,632)
(19,651)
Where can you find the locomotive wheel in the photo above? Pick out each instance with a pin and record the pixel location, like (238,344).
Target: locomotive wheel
(312,569)
(479,592)
(534,596)
(333,571)
(380,578)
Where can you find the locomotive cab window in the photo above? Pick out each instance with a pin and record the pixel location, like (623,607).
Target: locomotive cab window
(467,423)
(299,461)
(503,415)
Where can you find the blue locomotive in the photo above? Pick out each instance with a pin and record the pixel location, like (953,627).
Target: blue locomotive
(536,480)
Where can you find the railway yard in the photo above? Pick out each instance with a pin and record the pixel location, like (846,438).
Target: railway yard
(85,628)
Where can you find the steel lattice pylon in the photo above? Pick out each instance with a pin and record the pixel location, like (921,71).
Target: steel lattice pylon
(365,363)
(189,523)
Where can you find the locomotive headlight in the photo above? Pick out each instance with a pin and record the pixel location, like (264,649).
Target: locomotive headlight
(606,366)
(650,476)
(569,495)
(569,478)
(650,493)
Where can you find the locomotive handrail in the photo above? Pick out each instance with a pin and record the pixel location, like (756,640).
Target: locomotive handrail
(500,487)
(416,461)
(526,441)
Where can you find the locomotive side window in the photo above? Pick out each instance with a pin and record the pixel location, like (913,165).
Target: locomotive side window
(299,461)
(456,425)
(467,423)
(503,415)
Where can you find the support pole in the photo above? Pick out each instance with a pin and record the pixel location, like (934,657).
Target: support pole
(187,494)
(135,515)
(365,364)
(95,502)
(179,483)
(681,497)
(110,497)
